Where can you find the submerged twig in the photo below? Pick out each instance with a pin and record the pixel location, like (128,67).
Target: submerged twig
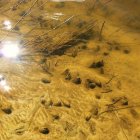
(110,79)
(110,110)
(117,116)
(100,34)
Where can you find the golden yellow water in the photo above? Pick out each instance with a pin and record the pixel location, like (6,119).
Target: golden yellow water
(49,90)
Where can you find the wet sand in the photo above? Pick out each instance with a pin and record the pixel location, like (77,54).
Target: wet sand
(79,81)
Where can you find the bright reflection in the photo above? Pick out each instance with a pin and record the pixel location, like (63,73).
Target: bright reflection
(10,49)
(7,24)
(54,16)
(3,84)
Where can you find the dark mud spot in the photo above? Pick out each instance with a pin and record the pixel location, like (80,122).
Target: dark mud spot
(16,28)
(102,70)
(88,117)
(60,5)
(105,53)
(56,117)
(23,13)
(45,81)
(67,105)
(84,46)
(43,101)
(45,131)
(98,97)
(134,113)
(114,46)
(92,84)
(46,103)
(67,74)
(98,84)
(124,101)
(117,48)
(138,137)
(95,111)
(7,110)
(77,80)
(98,64)
(126,51)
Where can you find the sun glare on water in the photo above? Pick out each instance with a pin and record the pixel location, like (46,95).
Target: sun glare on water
(7,24)
(3,84)
(10,49)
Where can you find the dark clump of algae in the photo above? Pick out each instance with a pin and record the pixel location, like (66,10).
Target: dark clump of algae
(69,70)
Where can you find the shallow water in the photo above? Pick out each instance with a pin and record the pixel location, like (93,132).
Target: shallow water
(69,69)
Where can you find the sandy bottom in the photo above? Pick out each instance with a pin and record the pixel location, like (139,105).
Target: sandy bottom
(90,92)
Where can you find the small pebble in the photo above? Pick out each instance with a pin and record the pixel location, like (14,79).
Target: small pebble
(77,80)
(90,84)
(43,101)
(87,116)
(45,81)
(44,131)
